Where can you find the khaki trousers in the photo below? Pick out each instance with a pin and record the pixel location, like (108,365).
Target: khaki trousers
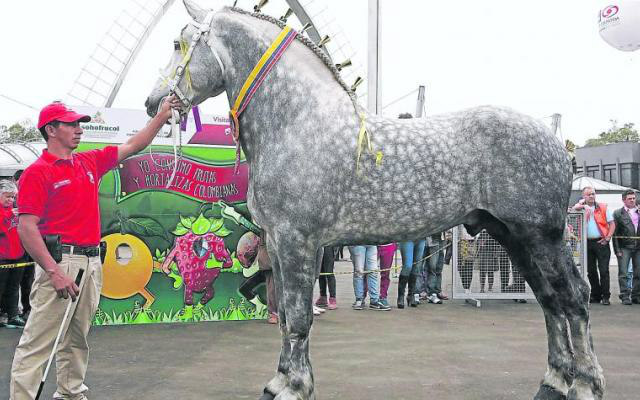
(42,327)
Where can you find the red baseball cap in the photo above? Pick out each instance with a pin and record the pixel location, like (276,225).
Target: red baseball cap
(57,111)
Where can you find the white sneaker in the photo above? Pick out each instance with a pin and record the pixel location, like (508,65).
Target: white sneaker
(317,310)
(417,297)
(434,299)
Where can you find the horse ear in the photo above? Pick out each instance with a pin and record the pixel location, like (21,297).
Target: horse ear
(194,10)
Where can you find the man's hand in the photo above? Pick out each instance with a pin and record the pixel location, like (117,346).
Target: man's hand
(144,137)
(169,103)
(619,254)
(64,285)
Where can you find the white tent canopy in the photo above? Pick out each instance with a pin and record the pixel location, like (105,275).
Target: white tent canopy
(606,192)
(16,156)
(580,182)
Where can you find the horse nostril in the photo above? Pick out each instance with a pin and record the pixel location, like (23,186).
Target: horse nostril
(146,103)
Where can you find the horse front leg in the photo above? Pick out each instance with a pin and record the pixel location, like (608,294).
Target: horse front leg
(294,276)
(279,382)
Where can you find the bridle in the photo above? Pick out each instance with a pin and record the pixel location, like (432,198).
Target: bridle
(248,90)
(182,70)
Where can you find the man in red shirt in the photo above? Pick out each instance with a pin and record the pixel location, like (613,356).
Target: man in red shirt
(59,196)
(10,252)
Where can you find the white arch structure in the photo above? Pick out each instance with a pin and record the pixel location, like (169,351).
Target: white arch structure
(99,81)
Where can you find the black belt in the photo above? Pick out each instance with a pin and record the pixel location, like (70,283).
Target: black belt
(89,251)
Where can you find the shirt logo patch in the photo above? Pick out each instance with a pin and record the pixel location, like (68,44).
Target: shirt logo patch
(90,176)
(11,222)
(61,183)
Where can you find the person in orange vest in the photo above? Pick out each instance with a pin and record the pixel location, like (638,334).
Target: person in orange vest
(600,228)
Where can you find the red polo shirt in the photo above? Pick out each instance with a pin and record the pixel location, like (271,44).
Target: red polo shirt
(10,246)
(64,194)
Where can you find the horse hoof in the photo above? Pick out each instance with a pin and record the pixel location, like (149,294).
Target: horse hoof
(267,395)
(548,393)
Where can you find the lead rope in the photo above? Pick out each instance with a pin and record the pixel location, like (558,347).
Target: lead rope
(176,135)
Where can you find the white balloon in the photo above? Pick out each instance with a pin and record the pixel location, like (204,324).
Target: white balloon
(620,24)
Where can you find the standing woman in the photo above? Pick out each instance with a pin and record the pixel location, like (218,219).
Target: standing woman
(11,251)
(329,280)
(385,254)
(411,253)
(29,270)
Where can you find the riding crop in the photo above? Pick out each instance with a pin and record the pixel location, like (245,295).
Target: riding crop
(55,343)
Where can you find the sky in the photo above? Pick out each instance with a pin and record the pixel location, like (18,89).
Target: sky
(538,57)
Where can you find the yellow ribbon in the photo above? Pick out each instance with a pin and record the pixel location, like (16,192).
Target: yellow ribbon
(363,135)
(185,58)
(187,75)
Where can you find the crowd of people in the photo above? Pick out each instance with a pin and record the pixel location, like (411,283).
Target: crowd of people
(16,272)
(620,227)
(420,277)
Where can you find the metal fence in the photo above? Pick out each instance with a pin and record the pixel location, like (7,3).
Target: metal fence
(482,269)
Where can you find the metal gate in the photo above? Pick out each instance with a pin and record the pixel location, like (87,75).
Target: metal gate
(482,270)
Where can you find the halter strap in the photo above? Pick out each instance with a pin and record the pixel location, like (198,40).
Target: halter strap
(218,59)
(203,31)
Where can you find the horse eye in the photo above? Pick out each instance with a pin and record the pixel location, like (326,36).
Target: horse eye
(176,45)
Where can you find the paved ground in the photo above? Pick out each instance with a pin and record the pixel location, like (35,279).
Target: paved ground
(446,352)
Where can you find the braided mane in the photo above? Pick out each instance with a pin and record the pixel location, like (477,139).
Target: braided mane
(310,44)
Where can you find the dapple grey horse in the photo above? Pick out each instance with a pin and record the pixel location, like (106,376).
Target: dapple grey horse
(484,167)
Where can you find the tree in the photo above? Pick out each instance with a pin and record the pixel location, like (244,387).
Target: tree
(616,134)
(19,132)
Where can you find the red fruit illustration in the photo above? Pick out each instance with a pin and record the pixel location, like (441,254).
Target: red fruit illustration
(191,252)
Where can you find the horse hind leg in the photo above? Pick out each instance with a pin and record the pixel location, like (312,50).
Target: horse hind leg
(573,372)
(540,266)
(589,382)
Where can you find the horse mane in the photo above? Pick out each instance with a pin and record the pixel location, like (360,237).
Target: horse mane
(311,45)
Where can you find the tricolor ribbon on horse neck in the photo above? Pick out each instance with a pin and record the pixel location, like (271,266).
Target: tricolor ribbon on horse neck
(254,80)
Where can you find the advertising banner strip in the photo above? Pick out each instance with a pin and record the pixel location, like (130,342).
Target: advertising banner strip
(194,179)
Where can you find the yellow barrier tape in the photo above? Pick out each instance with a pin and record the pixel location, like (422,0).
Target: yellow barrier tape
(17,265)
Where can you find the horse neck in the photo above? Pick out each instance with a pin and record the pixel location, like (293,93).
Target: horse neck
(246,38)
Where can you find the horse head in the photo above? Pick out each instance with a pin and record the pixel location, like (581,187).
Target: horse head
(197,73)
